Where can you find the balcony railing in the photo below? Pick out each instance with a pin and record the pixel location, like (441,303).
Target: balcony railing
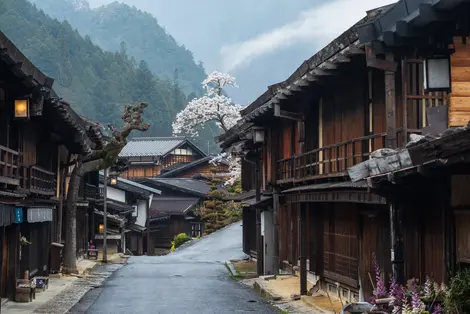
(328,161)
(9,164)
(40,181)
(91,191)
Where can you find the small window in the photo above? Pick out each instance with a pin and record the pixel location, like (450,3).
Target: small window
(177,151)
(345,293)
(183,151)
(189,151)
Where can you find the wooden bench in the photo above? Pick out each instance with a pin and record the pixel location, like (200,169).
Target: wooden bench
(92,253)
(41,282)
(25,290)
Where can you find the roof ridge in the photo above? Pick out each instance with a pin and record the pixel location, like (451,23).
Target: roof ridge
(156,138)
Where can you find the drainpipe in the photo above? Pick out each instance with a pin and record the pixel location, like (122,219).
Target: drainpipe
(259,239)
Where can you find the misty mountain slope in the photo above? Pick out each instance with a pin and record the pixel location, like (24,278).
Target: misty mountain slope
(96,82)
(144,39)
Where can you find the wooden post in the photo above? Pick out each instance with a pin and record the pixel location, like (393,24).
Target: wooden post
(390,104)
(396,237)
(259,239)
(276,260)
(303,249)
(404,100)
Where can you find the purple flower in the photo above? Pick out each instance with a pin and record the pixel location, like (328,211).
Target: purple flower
(380,290)
(396,293)
(428,288)
(437,309)
(416,304)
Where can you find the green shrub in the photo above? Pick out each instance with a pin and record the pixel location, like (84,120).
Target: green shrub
(457,299)
(180,239)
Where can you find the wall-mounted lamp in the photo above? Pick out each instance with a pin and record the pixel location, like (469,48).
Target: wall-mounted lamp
(113,181)
(258,135)
(437,75)
(22,108)
(101,228)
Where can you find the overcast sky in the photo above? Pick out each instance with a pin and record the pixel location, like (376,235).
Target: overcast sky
(260,42)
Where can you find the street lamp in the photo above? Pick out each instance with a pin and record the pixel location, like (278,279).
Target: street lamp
(437,74)
(22,108)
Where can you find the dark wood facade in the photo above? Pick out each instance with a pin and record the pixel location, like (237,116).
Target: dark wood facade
(149,157)
(33,149)
(350,99)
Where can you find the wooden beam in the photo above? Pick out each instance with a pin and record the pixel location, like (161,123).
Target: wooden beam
(16,66)
(303,248)
(286,114)
(311,78)
(321,72)
(391,39)
(354,50)
(329,65)
(342,59)
(390,105)
(381,64)
(403,29)
(302,83)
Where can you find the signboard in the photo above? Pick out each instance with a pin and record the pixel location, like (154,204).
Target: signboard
(18,215)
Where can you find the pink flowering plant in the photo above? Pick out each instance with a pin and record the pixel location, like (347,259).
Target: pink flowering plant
(409,299)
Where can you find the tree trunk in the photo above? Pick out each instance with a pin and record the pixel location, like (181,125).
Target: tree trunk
(60,209)
(70,248)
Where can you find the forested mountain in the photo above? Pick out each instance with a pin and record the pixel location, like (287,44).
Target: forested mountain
(96,82)
(118,26)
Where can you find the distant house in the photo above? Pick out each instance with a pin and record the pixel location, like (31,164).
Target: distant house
(148,157)
(175,210)
(128,207)
(198,167)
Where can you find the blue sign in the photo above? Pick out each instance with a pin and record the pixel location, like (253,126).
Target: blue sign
(18,215)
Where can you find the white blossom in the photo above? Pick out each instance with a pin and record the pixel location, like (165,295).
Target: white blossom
(234,167)
(212,107)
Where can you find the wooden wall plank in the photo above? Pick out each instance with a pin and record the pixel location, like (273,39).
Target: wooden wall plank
(459,104)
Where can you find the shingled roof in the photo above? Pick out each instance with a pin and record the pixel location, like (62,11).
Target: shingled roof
(171,206)
(190,186)
(155,146)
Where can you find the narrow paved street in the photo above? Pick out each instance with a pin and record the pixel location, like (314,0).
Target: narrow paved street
(193,280)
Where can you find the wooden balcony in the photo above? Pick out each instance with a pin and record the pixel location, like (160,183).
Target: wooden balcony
(91,191)
(40,181)
(9,164)
(328,161)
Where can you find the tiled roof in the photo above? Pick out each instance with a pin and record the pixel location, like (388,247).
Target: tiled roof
(169,173)
(171,206)
(195,187)
(151,146)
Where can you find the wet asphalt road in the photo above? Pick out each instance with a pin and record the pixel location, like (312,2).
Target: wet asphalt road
(193,280)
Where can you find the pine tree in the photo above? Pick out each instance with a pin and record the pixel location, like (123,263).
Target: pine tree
(215,216)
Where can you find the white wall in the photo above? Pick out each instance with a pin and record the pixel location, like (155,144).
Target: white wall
(115,194)
(141,213)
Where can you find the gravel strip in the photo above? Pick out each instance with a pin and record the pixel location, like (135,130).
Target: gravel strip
(65,300)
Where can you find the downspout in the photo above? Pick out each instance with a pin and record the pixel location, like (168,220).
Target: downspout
(259,240)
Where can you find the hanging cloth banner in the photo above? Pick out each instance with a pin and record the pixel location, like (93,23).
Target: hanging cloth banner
(40,214)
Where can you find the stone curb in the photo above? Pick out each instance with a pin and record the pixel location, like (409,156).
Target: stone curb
(265,293)
(232,269)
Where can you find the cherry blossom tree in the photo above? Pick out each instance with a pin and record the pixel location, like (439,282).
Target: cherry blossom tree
(234,166)
(214,106)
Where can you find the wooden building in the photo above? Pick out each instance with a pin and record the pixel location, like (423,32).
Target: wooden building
(128,204)
(174,211)
(147,157)
(38,134)
(200,167)
(302,135)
